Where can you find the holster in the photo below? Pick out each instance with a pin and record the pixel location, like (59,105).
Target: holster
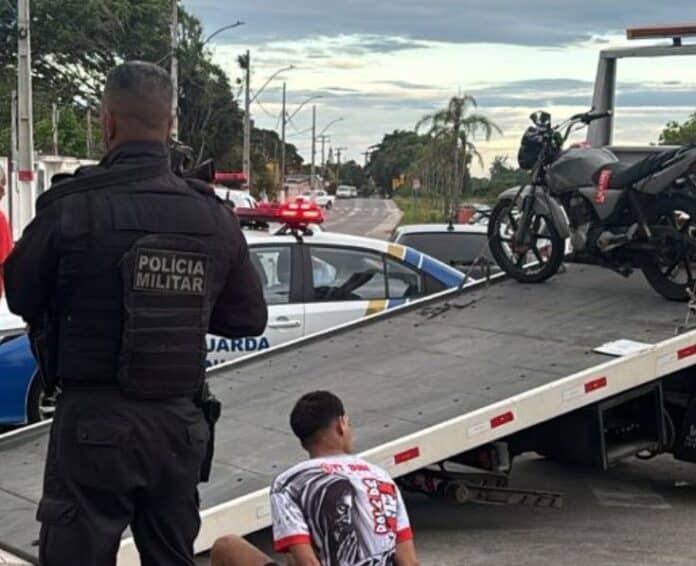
(43,337)
(212,408)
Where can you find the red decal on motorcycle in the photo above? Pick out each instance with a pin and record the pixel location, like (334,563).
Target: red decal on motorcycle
(602,186)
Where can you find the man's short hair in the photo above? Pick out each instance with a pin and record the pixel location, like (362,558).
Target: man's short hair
(313,413)
(139,91)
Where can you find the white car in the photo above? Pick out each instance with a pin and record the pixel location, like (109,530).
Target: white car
(318,280)
(236,197)
(323,199)
(346,191)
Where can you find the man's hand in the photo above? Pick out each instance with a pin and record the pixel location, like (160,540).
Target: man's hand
(406,554)
(303,555)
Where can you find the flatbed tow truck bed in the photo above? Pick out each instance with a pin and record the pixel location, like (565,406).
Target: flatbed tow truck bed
(422,384)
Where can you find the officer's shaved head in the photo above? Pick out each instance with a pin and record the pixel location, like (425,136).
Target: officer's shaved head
(137,103)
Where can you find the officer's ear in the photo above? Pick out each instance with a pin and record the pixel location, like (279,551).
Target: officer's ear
(108,124)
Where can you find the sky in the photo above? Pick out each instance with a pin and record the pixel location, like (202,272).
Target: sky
(381,65)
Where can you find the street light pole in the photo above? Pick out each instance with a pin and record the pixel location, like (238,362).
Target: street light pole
(25,170)
(312,171)
(282,148)
(174,70)
(246,155)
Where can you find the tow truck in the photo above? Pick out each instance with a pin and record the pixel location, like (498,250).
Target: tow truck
(578,369)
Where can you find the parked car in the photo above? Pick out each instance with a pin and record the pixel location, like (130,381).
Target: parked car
(311,282)
(346,191)
(235,197)
(323,199)
(463,246)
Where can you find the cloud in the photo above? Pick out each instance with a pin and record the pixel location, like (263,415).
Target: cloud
(406,85)
(536,22)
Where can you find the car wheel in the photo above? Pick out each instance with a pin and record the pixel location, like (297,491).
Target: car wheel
(40,406)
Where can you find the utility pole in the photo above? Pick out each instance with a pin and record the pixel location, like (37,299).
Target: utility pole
(282,148)
(174,72)
(366,156)
(338,164)
(324,138)
(312,171)
(54,126)
(246,156)
(13,163)
(25,170)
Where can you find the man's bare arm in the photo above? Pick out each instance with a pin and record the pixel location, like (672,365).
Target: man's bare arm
(303,555)
(406,554)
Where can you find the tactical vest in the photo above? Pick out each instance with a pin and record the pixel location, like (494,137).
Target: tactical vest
(142,261)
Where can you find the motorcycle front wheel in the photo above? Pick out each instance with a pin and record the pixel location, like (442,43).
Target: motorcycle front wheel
(532,263)
(673,269)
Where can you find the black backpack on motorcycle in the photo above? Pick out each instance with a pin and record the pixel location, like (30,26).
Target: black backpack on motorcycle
(530,147)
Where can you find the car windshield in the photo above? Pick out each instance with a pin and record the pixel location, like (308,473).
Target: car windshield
(452,248)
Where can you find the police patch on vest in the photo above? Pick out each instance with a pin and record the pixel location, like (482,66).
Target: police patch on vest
(169,271)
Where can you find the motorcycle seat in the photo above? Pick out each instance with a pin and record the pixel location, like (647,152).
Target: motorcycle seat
(624,176)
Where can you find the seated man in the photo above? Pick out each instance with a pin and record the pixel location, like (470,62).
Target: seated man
(333,509)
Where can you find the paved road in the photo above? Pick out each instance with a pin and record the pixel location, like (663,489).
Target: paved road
(640,513)
(363,217)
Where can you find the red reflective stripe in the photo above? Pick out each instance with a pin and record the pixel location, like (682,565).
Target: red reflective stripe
(407,455)
(500,420)
(686,352)
(283,544)
(25,175)
(404,534)
(595,384)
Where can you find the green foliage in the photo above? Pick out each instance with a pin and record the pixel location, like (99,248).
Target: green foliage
(393,157)
(423,210)
(679,134)
(352,174)
(502,176)
(74,45)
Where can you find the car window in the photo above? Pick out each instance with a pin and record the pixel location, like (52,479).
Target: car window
(347,275)
(452,248)
(273,265)
(403,282)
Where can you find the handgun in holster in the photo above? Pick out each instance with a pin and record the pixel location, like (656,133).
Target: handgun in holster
(212,408)
(43,337)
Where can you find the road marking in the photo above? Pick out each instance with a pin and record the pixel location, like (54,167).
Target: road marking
(632,499)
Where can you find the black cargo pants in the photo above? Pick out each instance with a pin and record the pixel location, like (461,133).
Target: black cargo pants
(114,462)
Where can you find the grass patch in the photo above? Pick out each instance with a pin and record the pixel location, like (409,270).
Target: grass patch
(422,211)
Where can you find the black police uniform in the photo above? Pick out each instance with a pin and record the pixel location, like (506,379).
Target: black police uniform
(120,275)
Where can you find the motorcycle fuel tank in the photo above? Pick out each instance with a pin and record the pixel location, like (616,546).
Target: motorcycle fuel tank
(576,168)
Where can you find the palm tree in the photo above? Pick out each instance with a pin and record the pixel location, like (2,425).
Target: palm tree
(458,125)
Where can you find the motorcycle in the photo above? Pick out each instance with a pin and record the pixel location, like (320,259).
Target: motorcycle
(623,217)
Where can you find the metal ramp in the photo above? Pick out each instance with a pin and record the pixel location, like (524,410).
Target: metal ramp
(422,384)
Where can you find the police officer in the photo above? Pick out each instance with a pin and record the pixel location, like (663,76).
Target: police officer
(120,275)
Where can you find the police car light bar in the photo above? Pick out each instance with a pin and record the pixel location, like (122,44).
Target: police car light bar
(675,32)
(298,214)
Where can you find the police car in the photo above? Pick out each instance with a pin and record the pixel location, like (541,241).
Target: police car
(312,280)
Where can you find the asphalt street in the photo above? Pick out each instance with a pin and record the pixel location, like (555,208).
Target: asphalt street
(363,217)
(639,513)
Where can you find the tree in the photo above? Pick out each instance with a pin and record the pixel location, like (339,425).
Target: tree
(393,157)
(458,126)
(352,174)
(679,134)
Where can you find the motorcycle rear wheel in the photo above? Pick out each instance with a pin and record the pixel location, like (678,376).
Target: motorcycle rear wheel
(673,271)
(532,264)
